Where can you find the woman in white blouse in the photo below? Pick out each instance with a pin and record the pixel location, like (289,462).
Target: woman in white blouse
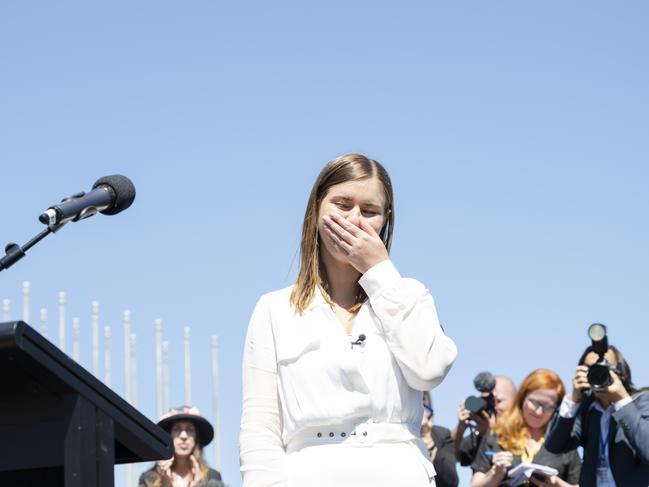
(334,366)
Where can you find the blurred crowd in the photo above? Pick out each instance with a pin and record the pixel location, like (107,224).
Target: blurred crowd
(596,433)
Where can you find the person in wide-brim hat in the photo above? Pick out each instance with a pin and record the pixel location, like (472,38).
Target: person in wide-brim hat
(204,429)
(190,433)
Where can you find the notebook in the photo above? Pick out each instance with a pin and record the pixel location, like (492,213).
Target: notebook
(521,473)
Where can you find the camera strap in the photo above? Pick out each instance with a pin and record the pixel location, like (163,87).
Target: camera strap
(604,473)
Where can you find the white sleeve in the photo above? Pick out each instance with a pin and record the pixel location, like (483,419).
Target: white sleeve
(568,408)
(408,319)
(622,402)
(261,452)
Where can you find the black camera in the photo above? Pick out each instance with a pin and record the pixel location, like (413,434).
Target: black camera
(484,382)
(599,376)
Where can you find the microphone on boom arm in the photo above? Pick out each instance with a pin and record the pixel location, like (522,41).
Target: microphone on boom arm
(109,196)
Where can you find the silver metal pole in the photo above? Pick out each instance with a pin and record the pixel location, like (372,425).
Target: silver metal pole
(131,474)
(6,306)
(188,368)
(215,402)
(26,293)
(129,378)
(75,339)
(165,376)
(43,317)
(158,367)
(133,371)
(107,364)
(95,338)
(62,320)
(126,321)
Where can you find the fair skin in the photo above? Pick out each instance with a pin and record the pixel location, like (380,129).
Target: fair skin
(612,394)
(182,470)
(504,393)
(538,407)
(350,219)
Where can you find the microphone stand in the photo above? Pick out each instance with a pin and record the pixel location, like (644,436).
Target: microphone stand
(14,252)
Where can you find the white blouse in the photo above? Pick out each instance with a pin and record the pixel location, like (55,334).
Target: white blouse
(301,372)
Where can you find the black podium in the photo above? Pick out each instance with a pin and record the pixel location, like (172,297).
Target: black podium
(59,425)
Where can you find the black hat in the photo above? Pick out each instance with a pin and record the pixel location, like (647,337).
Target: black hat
(204,430)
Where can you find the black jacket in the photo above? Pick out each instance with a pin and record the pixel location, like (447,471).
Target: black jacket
(628,441)
(150,476)
(444,462)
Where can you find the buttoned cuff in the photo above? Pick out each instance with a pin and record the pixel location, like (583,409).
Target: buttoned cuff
(568,408)
(379,277)
(622,402)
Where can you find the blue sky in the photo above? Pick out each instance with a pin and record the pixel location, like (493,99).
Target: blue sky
(515,134)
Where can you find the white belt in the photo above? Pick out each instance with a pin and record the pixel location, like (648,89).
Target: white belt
(366,433)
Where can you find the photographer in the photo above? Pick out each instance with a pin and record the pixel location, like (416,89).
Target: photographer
(498,398)
(610,421)
(519,438)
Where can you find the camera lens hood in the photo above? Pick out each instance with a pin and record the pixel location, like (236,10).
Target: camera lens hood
(475,404)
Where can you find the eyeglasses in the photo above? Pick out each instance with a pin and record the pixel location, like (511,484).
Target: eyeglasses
(546,408)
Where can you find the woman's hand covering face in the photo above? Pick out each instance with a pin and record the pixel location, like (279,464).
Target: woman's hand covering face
(360,245)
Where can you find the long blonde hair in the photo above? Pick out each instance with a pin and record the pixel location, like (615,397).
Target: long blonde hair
(157,479)
(511,429)
(350,167)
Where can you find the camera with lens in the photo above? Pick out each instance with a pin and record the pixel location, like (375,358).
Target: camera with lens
(598,375)
(484,382)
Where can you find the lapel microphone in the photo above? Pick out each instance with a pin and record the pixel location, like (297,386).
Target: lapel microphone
(359,340)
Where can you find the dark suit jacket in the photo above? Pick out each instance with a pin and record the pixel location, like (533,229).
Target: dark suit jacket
(444,462)
(628,441)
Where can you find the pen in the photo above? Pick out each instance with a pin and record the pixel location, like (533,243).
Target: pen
(489,454)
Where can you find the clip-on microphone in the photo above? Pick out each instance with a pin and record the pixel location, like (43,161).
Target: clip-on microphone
(359,340)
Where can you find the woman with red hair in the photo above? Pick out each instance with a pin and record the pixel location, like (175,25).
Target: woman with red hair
(519,435)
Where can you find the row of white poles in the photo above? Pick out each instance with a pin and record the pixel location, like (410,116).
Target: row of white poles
(130,360)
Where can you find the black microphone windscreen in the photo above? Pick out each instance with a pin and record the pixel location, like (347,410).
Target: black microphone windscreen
(484,382)
(124,192)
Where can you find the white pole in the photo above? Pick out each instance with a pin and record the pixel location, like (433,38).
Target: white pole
(62,320)
(95,338)
(188,368)
(75,339)
(131,474)
(107,336)
(6,306)
(133,371)
(126,324)
(158,367)
(26,292)
(127,354)
(215,402)
(44,322)
(165,376)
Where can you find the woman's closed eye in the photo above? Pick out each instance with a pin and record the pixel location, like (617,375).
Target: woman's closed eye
(344,205)
(369,212)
